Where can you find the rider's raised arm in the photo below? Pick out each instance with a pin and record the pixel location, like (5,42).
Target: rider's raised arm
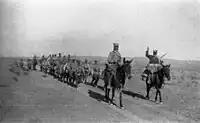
(147,54)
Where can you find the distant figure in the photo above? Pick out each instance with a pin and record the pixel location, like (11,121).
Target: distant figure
(95,62)
(154,63)
(34,62)
(59,58)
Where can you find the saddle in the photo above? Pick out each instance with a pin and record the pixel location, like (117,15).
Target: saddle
(111,68)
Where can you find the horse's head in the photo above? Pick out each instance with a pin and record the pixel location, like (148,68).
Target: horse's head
(166,71)
(127,68)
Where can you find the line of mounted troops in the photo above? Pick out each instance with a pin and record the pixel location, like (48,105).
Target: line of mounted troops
(55,59)
(114,61)
(56,65)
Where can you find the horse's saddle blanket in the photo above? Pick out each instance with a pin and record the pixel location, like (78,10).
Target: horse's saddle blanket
(154,67)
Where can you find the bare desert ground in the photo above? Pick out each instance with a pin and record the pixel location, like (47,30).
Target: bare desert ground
(32,98)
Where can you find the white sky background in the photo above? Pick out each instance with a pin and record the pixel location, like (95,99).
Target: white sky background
(89,27)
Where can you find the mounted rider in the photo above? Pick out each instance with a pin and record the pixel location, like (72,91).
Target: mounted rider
(154,64)
(114,60)
(34,57)
(34,61)
(86,65)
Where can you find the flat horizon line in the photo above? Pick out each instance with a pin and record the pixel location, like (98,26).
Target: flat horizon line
(103,57)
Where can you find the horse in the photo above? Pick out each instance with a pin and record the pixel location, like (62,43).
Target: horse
(64,72)
(29,64)
(26,65)
(60,71)
(70,76)
(79,76)
(95,77)
(34,64)
(157,80)
(86,72)
(44,66)
(118,81)
(41,62)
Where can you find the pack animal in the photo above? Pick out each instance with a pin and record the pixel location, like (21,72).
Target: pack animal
(117,81)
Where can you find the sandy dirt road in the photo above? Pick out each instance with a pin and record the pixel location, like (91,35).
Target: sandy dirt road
(32,98)
(139,108)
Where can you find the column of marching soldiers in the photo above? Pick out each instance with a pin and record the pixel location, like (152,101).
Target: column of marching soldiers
(64,68)
(74,71)
(67,69)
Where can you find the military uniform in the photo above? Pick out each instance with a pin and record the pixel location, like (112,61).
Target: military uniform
(114,57)
(154,64)
(86,66)
(114,61)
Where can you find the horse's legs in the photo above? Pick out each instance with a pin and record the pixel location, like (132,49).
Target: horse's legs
(156,94)
(71,80)
(96,81)
(113,94)
(61,77)
(107,93)
(65,77)
(105,90)
(148,87)
(120,98)
(86,78)
(92,82)
(160,96)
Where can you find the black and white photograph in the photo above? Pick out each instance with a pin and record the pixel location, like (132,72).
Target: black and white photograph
(99,61)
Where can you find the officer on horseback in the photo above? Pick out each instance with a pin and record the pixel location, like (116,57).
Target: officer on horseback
(154,63)
(114,60)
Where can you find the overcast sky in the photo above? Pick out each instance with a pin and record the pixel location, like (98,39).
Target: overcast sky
(89,27)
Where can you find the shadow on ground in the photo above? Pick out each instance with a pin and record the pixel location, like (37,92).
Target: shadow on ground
(44,75)
(99,97)
(3,86)
(126,92)
(133,94)
(72,84)
(15,79)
